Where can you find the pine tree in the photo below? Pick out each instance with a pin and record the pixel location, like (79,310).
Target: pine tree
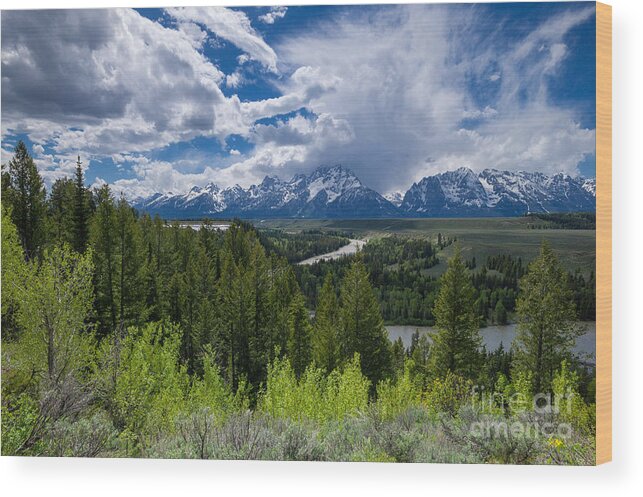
(283,288)
(104,251)
(362,327)
(81,211)
(500,313)
(130,267)
(237,312)
(259,336)
(61,205)
(206,318)
(27,199)
(457,342)
(325,340)
(547,326)
(299,336)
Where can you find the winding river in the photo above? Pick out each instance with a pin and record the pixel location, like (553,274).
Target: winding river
(348,249)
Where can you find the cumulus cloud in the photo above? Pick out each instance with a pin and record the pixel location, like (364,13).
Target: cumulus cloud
(395,93)
(273,15)
(110,82)
(94,79)
(403,83)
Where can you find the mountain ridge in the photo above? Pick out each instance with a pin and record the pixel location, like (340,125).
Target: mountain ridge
(336,192)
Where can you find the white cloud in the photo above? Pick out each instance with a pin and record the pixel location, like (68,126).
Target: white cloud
(401,84)
(389,91)
(107,81)
(233,26)
(275,14)
(234,80)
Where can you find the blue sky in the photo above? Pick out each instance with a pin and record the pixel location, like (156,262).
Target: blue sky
(163,99)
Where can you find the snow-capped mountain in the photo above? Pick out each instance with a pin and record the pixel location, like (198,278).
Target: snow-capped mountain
(335,192)
(491,192)
(589,185)
(395,198)
(327,192)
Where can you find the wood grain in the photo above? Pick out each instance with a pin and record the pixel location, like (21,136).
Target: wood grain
(603,233)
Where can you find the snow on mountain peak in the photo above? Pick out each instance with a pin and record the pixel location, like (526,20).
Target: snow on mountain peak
(337,192)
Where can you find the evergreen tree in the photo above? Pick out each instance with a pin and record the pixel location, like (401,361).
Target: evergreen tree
(206,318)
(130,267)
(61,204)
(457,342)
(14,269)
(500,313)
(362,327)
(81,211)
(26,195)
(325,340)
(283,288)
(547,326)
(105,251)
(399,356)
(259,336)
(299,346)
(237,312)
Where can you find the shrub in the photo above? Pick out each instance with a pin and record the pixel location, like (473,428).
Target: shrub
(211,395)
(314,396)
(150,384)
(570,405)
(86,437)
(396,396)
(20,420)
(448,394)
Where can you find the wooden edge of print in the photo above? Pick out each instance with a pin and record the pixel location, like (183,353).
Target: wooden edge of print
(603,233)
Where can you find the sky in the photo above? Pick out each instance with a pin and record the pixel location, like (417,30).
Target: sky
(160,100)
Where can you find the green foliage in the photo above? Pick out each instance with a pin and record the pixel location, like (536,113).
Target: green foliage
(325,339)
(104,249)
(563,220)
(569,403)
(81,211)
(500,313)
(25,194)
(89,436)
(448,394)
(13,269)
(314,396)
(61,211)
(362,328)
(395,397)
(547,326)
(211,393)
(151,386)
(457,343)
(299,336)
(20,418)
(398,268)
(55,301)
(519,393)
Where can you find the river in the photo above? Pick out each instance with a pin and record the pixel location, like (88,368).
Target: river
(493,336)
(197,226)
(348,249)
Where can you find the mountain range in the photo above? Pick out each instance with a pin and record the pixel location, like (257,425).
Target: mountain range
(336,192)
